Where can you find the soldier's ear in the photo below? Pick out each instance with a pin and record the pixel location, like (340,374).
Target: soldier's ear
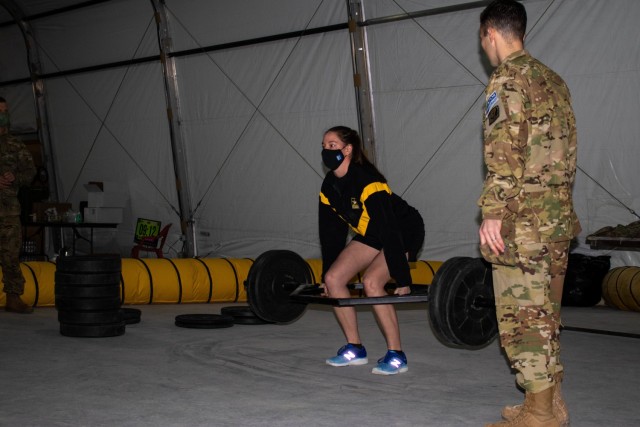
(491,33)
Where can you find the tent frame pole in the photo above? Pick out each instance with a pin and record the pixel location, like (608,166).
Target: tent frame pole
(38,87)
(177,143)
(362,77)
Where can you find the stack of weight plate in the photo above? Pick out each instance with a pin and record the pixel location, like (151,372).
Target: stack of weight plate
(87,290)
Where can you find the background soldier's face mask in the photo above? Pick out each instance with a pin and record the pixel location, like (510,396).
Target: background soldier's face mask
(4,120)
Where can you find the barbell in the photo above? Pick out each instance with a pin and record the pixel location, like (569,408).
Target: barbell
(280,284)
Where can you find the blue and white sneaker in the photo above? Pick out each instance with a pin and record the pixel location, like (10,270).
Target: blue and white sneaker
(349,355)
(394,362)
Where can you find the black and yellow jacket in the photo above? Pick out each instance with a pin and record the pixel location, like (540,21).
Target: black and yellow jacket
(360,200)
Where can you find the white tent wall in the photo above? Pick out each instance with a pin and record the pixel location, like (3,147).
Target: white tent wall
(256,173)
(100,34)
(252,117)
(13,65)
(109,125)
(115,130)
(198,23)
(426,100)
(429,75)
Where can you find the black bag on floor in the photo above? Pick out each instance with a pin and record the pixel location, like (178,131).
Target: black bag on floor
(583,282)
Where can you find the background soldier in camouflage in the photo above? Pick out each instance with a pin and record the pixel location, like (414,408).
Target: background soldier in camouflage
(527,209)
(16,170)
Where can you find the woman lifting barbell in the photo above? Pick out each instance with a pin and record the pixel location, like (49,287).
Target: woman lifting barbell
(388,233)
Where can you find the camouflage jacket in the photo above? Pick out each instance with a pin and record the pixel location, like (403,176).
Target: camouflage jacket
(530,147)
(14,158)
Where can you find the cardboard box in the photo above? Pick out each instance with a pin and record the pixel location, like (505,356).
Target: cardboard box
(103,215)
(99,199)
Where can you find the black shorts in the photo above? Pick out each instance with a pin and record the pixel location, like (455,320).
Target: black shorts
(412,237)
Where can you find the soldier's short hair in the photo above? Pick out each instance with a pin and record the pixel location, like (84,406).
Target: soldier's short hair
(508,17)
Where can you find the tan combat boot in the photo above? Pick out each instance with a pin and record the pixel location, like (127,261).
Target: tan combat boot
(16,305)
(537,411)
(559,406)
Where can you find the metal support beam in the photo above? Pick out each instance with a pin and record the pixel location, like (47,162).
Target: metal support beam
(362,77)
(187,226)
(37,85)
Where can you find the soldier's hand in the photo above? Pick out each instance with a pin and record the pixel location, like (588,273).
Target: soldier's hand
(490,235)
(6,180)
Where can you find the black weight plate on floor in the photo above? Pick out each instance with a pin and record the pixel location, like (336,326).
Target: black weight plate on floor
(89,264)
(90,317)
(439,300)
(237,311)
(203,321)
(87,304)
(242,315)
(271,279)
(87,279)
(64,291)
(131,315)
(92,331)
(470,309)
(250,321)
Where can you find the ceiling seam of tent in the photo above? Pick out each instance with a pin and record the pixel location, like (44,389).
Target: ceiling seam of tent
(188,52)
(440,44)
(429,12)
(55,12)
(256,107)
(230,45)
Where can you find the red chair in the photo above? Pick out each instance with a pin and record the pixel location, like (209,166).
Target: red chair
(152,244)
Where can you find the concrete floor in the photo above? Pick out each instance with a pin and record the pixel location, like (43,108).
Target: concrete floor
(157,374)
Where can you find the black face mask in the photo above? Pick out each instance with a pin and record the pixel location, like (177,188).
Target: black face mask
(332,158)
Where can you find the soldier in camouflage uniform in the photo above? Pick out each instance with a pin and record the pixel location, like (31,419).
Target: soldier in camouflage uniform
(527,209)
(16,170)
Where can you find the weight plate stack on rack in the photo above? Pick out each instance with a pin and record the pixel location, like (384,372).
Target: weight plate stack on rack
(87,291)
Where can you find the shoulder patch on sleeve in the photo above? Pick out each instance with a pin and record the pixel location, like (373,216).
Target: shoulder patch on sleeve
(494,112)
(493,115)
(492,100)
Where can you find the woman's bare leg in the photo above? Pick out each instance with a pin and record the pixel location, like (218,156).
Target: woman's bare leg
(354,258)
(375,277)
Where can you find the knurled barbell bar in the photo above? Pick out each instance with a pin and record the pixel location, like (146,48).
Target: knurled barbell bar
(280,284)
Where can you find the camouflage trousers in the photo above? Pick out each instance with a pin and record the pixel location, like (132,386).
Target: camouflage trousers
(528,297)
(10,242)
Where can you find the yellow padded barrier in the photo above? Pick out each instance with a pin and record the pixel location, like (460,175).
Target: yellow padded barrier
(184,280)
(177,280)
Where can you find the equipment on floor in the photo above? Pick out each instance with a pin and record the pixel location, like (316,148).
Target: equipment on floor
(242,315)
(87,293)
(461,307)
(204,321)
